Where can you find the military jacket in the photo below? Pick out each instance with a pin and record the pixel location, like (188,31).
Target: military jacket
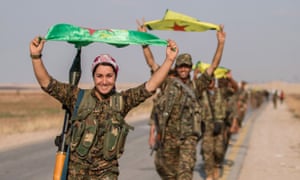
(67,95)
(176,108)
(215,103)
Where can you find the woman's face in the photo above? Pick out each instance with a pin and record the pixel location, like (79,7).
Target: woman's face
(104,78)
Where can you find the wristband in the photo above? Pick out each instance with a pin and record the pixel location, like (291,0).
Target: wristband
(35,56)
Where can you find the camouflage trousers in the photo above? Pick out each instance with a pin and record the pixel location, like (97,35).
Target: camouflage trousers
(227,136)
(212,148)
(83,169)
(176,159)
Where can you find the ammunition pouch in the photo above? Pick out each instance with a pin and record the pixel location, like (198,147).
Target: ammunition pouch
(83,136)
(114,139)
(196,126)
(218,127)
(77,132)
(88,137)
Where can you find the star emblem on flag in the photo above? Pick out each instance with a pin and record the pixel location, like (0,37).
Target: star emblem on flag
(177,27)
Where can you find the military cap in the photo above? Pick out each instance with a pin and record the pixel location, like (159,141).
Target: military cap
(184,59)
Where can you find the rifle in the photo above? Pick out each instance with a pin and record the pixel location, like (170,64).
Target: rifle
(158,140)
(60,141)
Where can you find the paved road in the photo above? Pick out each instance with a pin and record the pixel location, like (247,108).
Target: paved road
(238,147)
(33,162)
(36,161)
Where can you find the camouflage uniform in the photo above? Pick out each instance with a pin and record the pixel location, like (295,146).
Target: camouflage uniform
(232,112)
(274,98)
(214,114)
(178,112)
(93,164)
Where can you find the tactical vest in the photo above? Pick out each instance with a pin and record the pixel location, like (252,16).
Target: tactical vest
(216,110)
(177,92)
(86,130)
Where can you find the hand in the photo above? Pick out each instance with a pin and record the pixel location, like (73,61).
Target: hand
(234,127)
(229,75)
(141,26)
(221,35)
(196,73)
(151,141)
(172,50)
(37,45)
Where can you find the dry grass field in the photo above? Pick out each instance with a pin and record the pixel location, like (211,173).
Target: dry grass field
(25,111)
(33,110)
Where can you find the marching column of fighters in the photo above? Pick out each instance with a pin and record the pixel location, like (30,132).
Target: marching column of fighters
(187,110)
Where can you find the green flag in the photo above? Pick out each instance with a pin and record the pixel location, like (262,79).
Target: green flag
(80,36)
(173,21)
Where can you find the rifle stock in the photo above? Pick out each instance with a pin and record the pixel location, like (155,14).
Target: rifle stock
(59,165)
(61,154)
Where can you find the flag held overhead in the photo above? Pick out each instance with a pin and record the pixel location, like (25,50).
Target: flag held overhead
(220,72)
(173,21)
(80,36)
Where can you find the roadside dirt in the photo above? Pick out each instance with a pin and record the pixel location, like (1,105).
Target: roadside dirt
(274,148)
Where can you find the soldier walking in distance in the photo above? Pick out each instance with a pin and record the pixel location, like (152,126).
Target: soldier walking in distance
(274,98)
(214,102)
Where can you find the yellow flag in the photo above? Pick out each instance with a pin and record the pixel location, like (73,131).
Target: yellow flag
(174,21)
(220,72)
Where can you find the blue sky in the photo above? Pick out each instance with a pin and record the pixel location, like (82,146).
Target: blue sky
(262,42)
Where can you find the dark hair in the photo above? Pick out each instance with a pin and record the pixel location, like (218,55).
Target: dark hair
(172,72)
(104,64)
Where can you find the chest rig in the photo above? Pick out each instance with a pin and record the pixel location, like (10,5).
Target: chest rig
(86,130)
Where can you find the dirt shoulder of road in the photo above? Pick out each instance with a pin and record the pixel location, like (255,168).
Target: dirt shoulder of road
(273,151)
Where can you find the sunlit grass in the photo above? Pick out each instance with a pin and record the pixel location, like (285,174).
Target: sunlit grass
(27,112)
